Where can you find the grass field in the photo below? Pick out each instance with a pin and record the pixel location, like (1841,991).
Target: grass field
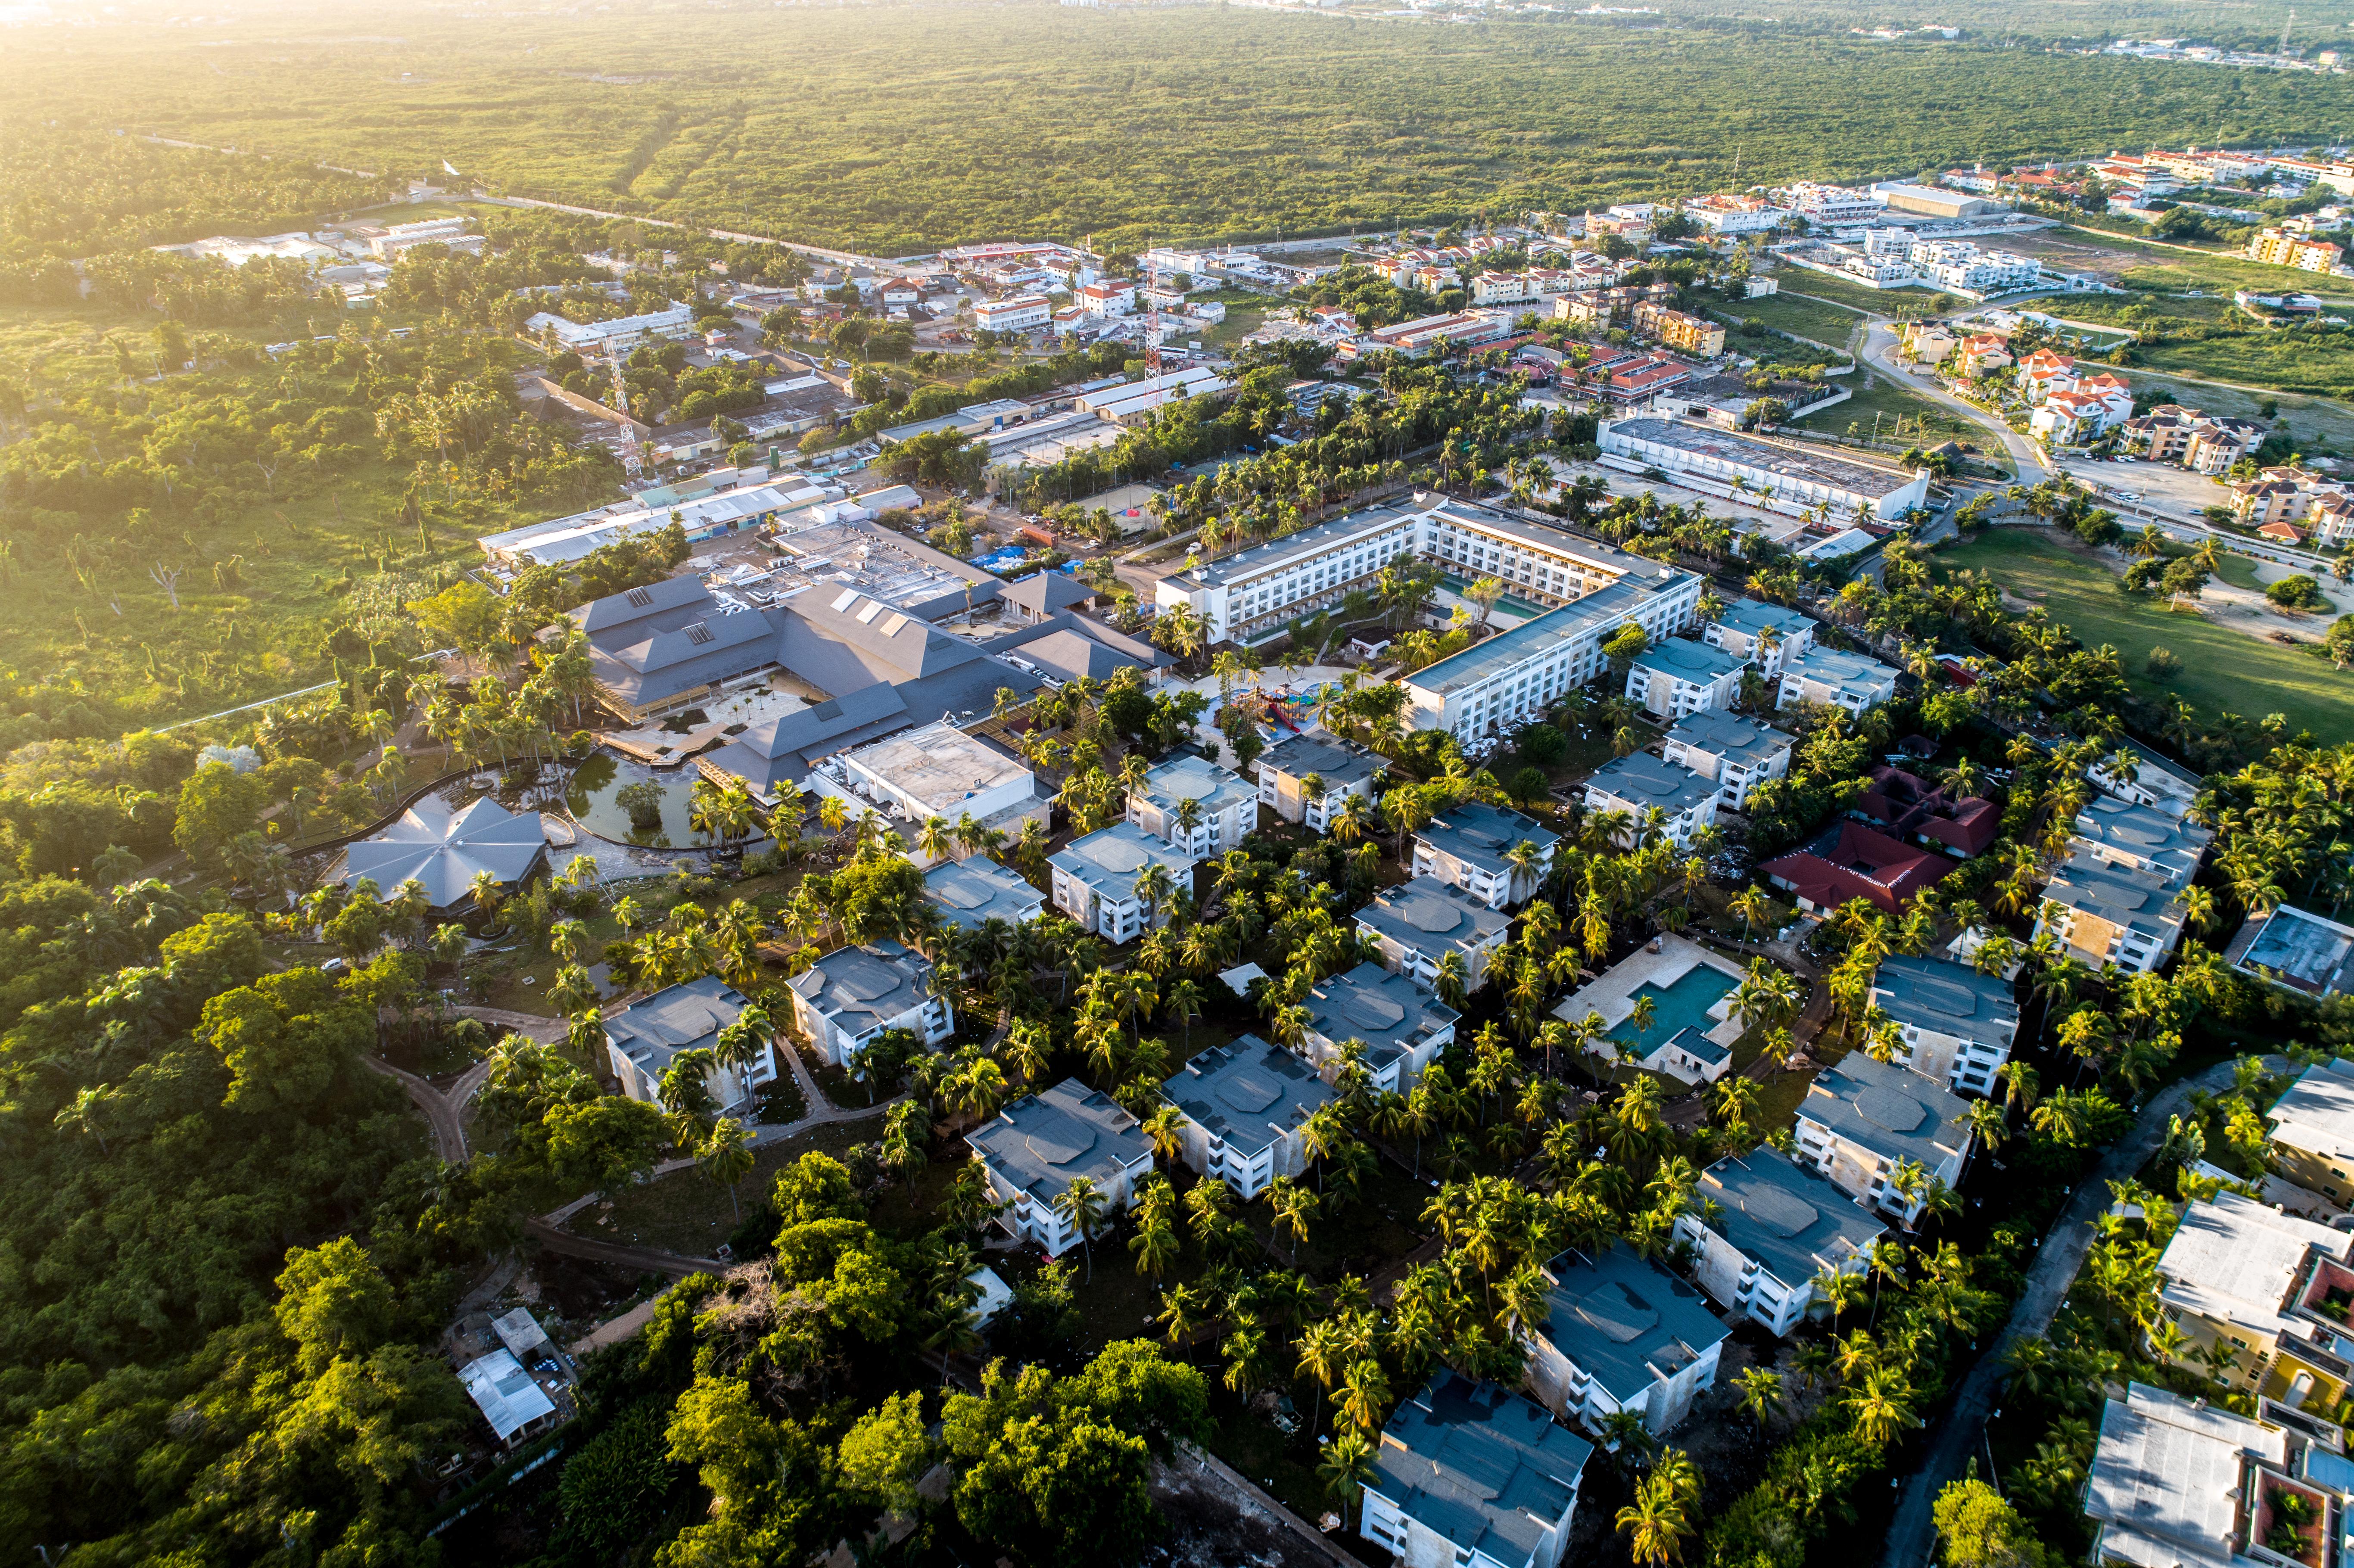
(2159,268)
(1876,394)
(1826,324)
(2224,669)
(1839,290)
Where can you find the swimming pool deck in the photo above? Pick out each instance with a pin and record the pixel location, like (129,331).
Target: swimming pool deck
(1612,995)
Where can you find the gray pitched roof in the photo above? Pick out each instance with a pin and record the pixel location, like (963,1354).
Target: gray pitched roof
(1480,835)
(1389,1013)
(1043,592)
(680,1018)
(1626,1321)
(2142,901)
(601,618)
(2167,844)
(1643,781)
(1731,736)
(1893,1111)
(1426,912)
(678,639)
(970,892)
(1297,756)
(779,751)
(1479,1465)
(1792,1222)
(1750,617)
(1947,998)
(1110,860)
(1040,1141)
(1248,1094)
(1068,645)
(443,849)
(1837,669)
(1687,660)
(865,988)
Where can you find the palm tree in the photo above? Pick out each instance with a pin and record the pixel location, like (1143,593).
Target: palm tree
(1081,1205)
(1654,1523)
(1881,1406)
(726,1158)
(1346,1467)
(1181,1314)
(1155,1247)
(1293,1206)
(1365,1396)
(1761,1394)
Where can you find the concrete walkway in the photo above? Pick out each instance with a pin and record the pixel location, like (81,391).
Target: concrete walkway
(1911,1537)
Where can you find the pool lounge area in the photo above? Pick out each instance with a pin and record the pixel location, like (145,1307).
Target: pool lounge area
(1691,1036)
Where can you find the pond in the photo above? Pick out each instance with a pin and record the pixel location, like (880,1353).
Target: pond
(590,797)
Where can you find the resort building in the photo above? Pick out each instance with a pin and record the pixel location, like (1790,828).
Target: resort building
(1515,676)
(1197,807)
(644,1038)
(1762,634)
(936,772)
(1619,1333)
(1098,880)
(1792,475)
(443,849)
(2299,949)
(846,999)
(1692,1025)
(2264,1291)
(1337,771)
(670,646)
(1473,1476)
(2184,1483)
(1856,863)
(1403,1027)
(2312,1125)
(1771,1230)
(1958,1023)
(1240,1110)
(1852,680)
(2142,838)
(1737,754)
(1862,1121)
(1909,807)
(1041,1141)
(1678,676)
(1419,923)
(1479,848)
(1654,797)
(2105,914)
(972,893)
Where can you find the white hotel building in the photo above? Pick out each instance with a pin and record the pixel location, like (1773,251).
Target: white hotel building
(1243,596)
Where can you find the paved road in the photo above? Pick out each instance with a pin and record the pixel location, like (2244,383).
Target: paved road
(1913,1535)
(442,1115)
(1880,347)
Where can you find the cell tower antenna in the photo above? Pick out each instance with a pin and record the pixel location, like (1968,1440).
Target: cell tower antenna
(635,455)
(2284,28)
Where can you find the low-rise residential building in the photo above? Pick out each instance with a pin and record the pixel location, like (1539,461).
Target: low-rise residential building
(2281,248)
(2282,495)
(1040,1142)
(846,999)
(1863,1122)
(972,893)
(1098,879)
(2312,1126)
(1416,924)
(1639,785)
(1770,1229)
(1305,779)
(1793,476)
(2296,949)
(2259,1296)
(1021,313)
(1403,1027)
(1194,806)
(1857,863)
(1472,1475)
(1957,1024)
(1620,1333)
(1479,849)
(1910,807)
(2103,913)
(644,1038)
(2188,439)
(1680,677)
(2183,1483)
(1852,680)
(1681,330)
(1982,352)
(1761,634)
(1734,754)
(1240,1110)
(1494,686)
(2142,838)
(2080,415)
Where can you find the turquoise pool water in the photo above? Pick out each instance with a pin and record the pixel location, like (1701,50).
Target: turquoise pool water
(1683,1002)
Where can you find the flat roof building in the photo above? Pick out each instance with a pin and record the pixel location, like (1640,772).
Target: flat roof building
(1417,924)
(2245,1280)
(2297,948)
(514,1404)
(1864,1119)
(1734,754)
(846,999)
(1774,1228)
(938,771)
(972,893)
(1096,879)
(1472,847)
(1621,1333)
(1836,678)
(642,1040)
(1472,1474)
(1957,1024)
(1676,676)
(1403,1026)
(1638,784)
(2172,1482)
(1518,675)
(1241,1109)
(1039,1142)
(1789,474)
(2107,914)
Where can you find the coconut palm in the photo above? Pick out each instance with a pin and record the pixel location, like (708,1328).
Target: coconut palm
(726,1158)
(1346,1466)
(1083,1205)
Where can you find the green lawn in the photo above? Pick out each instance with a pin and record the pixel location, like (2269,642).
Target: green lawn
(1878,302)
(1875,395)
(2224,669)
(1824,323)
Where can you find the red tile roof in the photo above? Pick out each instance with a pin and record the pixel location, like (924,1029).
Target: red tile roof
(1863,864)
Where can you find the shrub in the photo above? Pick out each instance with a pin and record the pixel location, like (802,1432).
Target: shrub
(2299,592)
(2162,664)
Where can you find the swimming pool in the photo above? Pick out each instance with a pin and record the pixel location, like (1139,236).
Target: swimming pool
(1683,1002)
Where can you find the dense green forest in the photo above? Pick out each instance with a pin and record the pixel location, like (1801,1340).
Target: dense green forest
(1130,125)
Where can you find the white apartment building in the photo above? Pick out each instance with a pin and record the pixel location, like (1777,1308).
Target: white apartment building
(1621,1334)
(1638,784)
(1494,687)
(1038,1143)
(1472,847)
(1958,1023)
(846,999)
(1676,676)
(1096,879)
(1828,675)
(1253,591)
(1222,808)
(1763,634)
(1863,1120)
(1773,1228)
(1788,475)
(1472,1475)
(1835,206)
(643,1039)
(1240,1110)
(1734,754)
(1021,313)
(1306,778)
(2103,913)
(1962,267)
(1419,923)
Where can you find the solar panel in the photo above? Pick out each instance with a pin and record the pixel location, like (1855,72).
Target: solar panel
(848,598)
(640,598)
(698,634)
(874,607)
